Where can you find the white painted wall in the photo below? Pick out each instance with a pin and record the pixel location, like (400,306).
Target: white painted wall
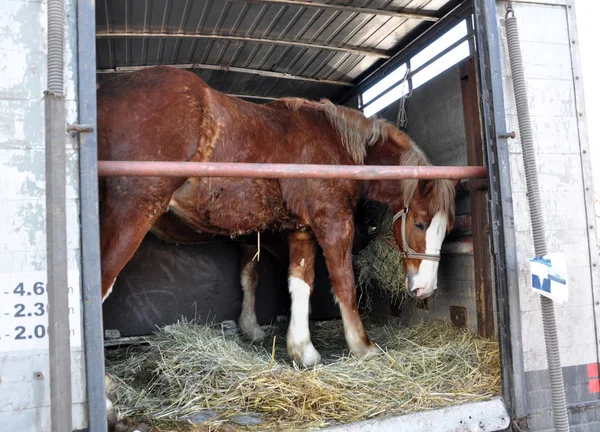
(549,44)
(24,404)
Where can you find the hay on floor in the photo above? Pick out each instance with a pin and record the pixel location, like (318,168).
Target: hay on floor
(185,369)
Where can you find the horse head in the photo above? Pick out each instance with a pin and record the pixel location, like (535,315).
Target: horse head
(423,210)
(420,227)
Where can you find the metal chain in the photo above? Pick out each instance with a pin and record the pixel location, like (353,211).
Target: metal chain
(402,118)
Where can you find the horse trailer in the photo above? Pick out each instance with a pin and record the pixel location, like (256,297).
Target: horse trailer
(443,71)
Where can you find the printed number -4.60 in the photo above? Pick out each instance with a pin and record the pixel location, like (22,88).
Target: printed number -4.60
(38,289)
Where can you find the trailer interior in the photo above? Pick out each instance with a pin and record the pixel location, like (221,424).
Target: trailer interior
(415,63)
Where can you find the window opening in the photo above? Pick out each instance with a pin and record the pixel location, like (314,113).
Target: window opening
(444,52)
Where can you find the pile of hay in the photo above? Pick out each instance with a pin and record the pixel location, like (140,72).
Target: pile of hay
(185,369)
(380,265)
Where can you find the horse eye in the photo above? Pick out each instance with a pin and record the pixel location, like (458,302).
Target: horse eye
(419,226)
(371,230)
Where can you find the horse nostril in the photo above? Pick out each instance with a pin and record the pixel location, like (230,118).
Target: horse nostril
(418,292)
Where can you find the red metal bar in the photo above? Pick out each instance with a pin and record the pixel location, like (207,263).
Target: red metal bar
(260,170)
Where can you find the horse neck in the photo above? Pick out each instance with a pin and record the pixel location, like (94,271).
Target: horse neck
(389,192)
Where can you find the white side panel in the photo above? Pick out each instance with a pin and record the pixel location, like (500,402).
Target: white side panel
(24,364)
(553,86)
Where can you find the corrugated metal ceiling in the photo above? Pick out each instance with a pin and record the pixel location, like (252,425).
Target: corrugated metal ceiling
(260,48)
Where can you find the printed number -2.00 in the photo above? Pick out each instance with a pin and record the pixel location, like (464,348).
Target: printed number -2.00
(39,332)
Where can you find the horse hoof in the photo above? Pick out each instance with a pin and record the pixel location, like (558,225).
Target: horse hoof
(253,332)
(128,426)
(367,352)
(304,354)
(257,334)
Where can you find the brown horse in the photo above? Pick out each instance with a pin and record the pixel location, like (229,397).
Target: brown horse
(165,114)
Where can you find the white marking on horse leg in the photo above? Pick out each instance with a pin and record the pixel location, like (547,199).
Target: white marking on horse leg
(353,338)
(353,335)
(299,345)
(248,322)
(425,281)
(111,415)
(109,291)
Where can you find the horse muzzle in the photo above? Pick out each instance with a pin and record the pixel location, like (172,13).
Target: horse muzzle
(420,286)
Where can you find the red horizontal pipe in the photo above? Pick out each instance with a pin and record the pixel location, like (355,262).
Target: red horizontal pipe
(260,170)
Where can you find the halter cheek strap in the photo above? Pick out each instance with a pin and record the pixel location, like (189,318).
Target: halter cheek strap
(406,249)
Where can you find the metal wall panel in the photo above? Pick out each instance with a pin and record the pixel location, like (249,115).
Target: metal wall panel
(549,48)
(550,86)
(24,376)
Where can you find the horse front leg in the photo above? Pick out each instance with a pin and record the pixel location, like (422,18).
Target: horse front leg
(301,276)
(336,242)
(249,280)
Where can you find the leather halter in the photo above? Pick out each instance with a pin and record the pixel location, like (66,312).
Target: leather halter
(406,249)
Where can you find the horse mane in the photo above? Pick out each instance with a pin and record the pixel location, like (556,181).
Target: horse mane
(443,190)
(358,133)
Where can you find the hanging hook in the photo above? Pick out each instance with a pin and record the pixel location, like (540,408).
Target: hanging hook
(509,9)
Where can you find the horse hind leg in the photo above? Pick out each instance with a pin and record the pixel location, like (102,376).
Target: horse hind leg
(126,218)
(125,221)
(249,279)
(301,275)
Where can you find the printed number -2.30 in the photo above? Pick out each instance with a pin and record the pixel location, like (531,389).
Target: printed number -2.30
(20,313)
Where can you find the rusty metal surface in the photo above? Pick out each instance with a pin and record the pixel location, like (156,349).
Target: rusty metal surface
(458,316)
(267,170)
(479,210)
(339,41)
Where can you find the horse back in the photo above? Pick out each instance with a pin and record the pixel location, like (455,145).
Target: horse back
(158,114)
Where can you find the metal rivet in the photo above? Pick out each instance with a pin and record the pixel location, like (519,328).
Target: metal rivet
(585,151)
(576,77)
(572,41)
(580,114)
(38,375)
